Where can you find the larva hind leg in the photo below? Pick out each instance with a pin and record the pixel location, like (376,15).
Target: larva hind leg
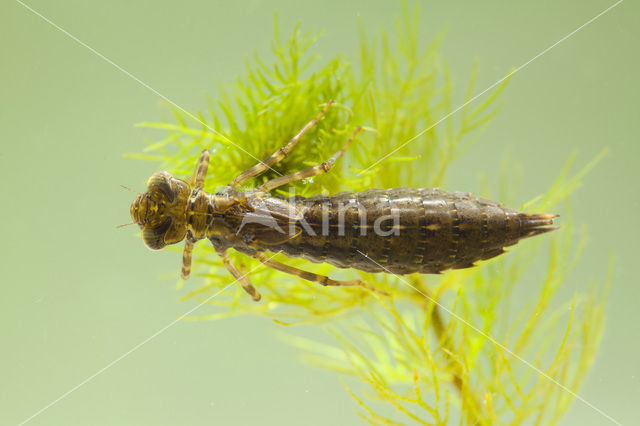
(310,276)
(312,171)
(280,154)
(242,279)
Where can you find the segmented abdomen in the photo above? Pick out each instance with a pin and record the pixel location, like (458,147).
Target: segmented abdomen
(406,230)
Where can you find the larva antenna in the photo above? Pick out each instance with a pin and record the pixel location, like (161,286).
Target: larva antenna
(126,224)
(132,190)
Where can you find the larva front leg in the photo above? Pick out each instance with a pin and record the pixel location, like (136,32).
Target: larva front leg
(200,173)
(197,182)
(186,257)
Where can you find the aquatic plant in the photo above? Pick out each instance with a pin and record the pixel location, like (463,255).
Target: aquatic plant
(440,349)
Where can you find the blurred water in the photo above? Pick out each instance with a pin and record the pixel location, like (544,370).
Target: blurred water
(78,293)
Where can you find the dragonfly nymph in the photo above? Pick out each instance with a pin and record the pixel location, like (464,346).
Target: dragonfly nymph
(398,231)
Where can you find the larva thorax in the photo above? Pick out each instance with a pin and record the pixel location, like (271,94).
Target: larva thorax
(170,210)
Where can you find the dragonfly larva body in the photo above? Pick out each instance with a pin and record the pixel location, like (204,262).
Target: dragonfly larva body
(399,231)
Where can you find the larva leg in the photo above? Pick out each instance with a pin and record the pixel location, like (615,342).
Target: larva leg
(199,174)
(312,171)
(281,153)
(310,276)
(186,258)
(197,181)
(242,279)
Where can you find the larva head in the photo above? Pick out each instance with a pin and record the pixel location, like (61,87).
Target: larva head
(160,212)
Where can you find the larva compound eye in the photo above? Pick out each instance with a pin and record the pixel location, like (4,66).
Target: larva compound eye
(154,237)
(160,182)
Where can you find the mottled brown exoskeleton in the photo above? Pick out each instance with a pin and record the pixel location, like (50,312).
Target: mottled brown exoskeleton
(399,231)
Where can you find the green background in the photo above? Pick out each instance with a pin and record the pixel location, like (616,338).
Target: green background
(77,293)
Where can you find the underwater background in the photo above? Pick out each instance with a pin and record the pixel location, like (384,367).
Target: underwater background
(78,293)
